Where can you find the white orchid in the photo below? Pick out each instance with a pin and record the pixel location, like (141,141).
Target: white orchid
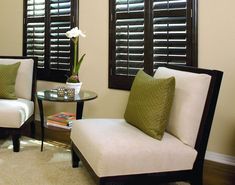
(74,34)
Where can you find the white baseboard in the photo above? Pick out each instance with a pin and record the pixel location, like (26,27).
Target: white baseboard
(220,158)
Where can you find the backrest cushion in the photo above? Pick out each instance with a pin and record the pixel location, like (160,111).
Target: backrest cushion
(149,104)
(190,96)
(24,78)
(8,75)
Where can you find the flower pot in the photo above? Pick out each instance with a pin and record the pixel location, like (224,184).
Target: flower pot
(76,86)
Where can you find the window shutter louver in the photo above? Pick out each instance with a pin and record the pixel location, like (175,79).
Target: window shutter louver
(35,42)
(35,8)
(60,7)
(129,42)
(60,55)
(170,34)
(46,23)
(35,26)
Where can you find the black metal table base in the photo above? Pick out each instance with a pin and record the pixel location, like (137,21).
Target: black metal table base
(48,95)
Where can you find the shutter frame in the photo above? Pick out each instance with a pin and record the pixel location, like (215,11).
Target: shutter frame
(55,67)
(177,49)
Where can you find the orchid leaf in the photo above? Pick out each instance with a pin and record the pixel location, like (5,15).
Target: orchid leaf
(79,63)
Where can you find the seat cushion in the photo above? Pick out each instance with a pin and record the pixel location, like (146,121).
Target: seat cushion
(23,83)
(149,104)
(13,113)
(114,147)
(191,91)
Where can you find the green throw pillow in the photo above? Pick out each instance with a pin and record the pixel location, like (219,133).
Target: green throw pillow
(7,80)
(149,104)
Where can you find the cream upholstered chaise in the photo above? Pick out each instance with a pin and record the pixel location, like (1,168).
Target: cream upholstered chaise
(116,152)
(15,114)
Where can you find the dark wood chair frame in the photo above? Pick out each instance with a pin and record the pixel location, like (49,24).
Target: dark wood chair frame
(16,132)
(193,176)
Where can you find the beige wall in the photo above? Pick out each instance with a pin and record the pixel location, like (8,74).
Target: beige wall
(11,32)
(216,45)
(216,50)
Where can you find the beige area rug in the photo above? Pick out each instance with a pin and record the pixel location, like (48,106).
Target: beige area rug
(30,166)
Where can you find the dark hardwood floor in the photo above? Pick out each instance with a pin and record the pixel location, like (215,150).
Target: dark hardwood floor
(218,174)
(214,173)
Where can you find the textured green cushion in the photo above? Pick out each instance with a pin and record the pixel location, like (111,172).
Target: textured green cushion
(149,104)
(7,80)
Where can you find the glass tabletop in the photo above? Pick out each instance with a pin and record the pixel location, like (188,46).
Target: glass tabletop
(51,95)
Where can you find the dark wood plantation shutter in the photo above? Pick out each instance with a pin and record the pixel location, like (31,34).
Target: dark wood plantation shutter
(60,16)
(144,33)
(46,22)
(171,32)
(35,31)
(127,51)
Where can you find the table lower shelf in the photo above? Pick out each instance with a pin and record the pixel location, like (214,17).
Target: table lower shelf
(54,134)
(57,128)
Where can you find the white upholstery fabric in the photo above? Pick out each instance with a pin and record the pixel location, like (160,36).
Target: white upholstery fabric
(23,86)
(188,104)
(114,147)
(13,113)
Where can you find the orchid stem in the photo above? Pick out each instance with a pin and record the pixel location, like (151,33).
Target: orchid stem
(75,57)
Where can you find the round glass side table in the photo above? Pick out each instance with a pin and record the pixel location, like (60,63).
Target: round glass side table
(52,96)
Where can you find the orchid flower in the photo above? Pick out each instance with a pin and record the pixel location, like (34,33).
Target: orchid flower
(74,34)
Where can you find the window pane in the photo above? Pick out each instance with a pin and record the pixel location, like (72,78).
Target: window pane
(123,6)
(129,36)
(60,46)
(129,46)
(170,32)
(35,28)
(35,8)
(60,8)
(35,42)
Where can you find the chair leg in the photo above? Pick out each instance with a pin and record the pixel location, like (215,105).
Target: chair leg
(75,159)
(16,142)
(197,178)
(197,181)
(32,129)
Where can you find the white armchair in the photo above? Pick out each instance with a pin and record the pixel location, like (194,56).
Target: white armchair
(114,151)
(16,113)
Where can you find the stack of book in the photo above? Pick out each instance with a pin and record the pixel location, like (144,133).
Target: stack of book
(61,120)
